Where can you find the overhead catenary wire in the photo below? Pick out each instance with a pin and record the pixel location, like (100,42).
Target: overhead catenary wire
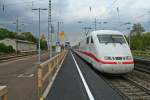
(108,8)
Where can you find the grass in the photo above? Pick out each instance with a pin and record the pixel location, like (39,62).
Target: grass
(142,54)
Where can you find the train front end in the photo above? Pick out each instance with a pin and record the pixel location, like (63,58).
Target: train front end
(114,53)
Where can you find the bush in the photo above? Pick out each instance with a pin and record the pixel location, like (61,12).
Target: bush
(6,49)
(10,49)
(44,45)
(140,42)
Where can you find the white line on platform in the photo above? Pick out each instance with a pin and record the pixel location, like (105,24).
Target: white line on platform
(91,97)
(20,75)
(31,75)
(25,76)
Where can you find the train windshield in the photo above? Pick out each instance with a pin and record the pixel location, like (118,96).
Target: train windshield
(111,39)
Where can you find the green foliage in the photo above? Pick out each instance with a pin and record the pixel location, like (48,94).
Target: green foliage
(146,40)
(137,29)
(140,42)
(28,36)
(4,33)
(144,54)
(44,45)
(53,47)
(6,49)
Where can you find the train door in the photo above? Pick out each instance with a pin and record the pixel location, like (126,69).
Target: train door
(87,44)
(91,45)
(87,49)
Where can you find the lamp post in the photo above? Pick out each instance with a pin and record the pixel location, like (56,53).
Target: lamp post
(104,23)
(58,30)
(17,30)
(86,29)
(128,23)
(39,46)
(81,23)
(129,38)
(21,27)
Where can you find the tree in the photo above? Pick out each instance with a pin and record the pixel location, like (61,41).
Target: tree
(137,29)
(136,43)
(27,36)
(146,40)
(137,38)
(140,42)
(43,43)
(4,33)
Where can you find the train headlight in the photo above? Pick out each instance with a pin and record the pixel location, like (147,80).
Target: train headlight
(128,58)
(108,58)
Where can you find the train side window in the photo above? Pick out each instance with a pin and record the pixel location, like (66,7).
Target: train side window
(87,40)
(92,40)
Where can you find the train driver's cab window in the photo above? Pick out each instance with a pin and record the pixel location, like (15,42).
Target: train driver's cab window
(87,40)
(111,39)
(92,40)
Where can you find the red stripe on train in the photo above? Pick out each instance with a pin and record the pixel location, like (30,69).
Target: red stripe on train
(101,61)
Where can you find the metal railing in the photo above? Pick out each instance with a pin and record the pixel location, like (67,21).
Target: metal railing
(46,70)
(3,93)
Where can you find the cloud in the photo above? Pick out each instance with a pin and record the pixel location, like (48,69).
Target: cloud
(71,11)
(78,10)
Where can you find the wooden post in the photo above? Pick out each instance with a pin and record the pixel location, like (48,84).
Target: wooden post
(4,92)
(50,67)
(40,82)
(40,76)
(4,97)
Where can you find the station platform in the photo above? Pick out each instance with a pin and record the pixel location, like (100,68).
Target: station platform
(77,81)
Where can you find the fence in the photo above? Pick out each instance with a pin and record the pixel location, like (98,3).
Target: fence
(46,70)
(3,93)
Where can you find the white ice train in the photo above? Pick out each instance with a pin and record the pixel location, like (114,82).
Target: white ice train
(107,51)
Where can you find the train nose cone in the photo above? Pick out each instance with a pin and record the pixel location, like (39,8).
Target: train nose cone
(118,68)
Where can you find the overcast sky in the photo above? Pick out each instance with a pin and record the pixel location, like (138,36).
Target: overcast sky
(71,11)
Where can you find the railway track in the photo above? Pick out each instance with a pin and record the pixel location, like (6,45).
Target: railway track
(15,57)
(135,85)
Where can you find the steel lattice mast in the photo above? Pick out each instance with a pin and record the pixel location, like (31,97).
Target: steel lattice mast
(49,29)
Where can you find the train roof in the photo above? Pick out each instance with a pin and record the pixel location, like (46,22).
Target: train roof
(105,32)
(102,32)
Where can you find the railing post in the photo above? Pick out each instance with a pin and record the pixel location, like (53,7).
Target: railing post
(4,92)
(49,67)
(40,82)
(4,97)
